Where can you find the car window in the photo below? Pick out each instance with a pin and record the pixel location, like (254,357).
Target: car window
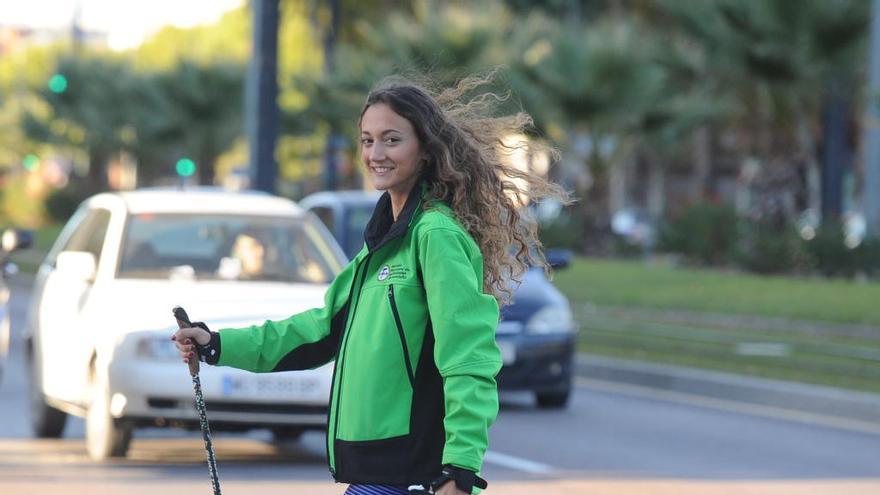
(226,247)
(326,216)
(66,233)
(358,218)
(89,234)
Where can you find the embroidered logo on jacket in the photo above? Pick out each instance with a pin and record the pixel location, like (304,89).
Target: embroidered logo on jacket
(394,272)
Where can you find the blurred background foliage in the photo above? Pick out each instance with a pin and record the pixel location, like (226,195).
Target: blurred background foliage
(711,120)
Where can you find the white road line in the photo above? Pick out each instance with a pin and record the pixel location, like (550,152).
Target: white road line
(731,406)
(512,462)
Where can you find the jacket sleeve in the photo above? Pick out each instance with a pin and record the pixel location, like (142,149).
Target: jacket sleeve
(464,320)
(303,341)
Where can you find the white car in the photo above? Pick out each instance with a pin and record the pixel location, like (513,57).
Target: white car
(100,320)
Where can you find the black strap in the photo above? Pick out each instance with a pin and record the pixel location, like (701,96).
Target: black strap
(464,479)
(210,352)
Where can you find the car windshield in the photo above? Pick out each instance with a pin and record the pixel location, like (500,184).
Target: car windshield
(226,247)
(358,218)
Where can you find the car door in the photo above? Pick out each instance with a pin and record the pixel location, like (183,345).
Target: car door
(65,344)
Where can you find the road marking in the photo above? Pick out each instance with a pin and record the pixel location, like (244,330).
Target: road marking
(517,463)
(730,405)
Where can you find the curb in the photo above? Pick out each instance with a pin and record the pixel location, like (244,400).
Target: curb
(794,396)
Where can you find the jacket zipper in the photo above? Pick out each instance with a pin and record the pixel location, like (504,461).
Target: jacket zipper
(340,364)
(399,324)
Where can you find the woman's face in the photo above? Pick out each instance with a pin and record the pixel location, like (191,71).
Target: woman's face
(390,150)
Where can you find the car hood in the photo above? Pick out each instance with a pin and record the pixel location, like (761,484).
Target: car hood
(534,293)
(126,306)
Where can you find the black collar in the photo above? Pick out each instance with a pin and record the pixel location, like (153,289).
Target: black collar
(382,227)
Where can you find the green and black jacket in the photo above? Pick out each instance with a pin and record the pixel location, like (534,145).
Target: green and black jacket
(413,335)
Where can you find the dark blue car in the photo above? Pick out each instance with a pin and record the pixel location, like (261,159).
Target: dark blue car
(536,334)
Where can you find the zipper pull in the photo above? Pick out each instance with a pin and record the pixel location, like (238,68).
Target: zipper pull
(391,291)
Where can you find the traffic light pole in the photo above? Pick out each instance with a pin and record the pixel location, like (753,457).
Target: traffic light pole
(261,106)
(872,129)
(335,142)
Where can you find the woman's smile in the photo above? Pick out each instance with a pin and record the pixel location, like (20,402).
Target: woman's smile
(380,170)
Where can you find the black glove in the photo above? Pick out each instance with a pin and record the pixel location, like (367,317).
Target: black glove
(464,479)
(210,352)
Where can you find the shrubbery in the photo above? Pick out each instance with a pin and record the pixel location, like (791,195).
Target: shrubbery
(832,257)
(62,203)
(711,234)
(768,247)
(565,231)
(704,233)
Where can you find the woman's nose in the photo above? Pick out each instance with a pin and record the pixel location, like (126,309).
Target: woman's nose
(377,152)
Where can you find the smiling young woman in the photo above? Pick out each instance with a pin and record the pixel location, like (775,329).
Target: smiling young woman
(411,320)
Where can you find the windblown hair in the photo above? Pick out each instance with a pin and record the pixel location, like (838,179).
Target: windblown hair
(466,167)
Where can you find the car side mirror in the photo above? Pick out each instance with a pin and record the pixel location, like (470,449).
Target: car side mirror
(558,258)
(79,265)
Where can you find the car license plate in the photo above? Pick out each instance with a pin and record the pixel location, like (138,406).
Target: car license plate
(272,387)
(508,351)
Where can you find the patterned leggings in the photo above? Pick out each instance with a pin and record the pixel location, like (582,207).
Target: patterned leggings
(376,490)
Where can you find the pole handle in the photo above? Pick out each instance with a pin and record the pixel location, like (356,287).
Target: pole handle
(183,322)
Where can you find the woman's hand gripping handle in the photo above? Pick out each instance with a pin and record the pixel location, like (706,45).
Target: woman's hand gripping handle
(186,337)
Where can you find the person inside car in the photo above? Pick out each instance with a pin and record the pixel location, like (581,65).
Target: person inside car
(246,260)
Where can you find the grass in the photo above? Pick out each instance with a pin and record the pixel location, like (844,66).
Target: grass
(849,363)
(609,297)
(638,284)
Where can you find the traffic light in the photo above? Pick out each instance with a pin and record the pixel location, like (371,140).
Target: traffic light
(186,167)
(30,162)
(57,83)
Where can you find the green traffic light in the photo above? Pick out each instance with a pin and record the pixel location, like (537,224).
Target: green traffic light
(57,83)
(30,162)
(186,167)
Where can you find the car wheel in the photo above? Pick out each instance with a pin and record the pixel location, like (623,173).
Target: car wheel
(553,400)
(286,434)
(46,421)
(106,436)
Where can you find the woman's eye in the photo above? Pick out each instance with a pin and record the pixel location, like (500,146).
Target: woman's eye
(391,140)
(365,141)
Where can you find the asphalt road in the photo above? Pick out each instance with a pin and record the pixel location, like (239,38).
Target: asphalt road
(612,439)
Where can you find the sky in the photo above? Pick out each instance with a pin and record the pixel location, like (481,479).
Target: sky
(126,22)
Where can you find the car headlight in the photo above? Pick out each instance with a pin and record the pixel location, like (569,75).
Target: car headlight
(161,348)
(5,336)
(551,319)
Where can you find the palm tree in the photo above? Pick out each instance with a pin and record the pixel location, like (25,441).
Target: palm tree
(604,82)
(781,62)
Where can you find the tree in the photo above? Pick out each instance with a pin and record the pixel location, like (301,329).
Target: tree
(781,62)
(605,85)
(92,111)
(202,108)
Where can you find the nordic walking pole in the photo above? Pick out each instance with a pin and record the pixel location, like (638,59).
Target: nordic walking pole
(183,322)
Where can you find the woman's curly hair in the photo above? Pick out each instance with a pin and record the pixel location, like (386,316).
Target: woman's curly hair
(466,167)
